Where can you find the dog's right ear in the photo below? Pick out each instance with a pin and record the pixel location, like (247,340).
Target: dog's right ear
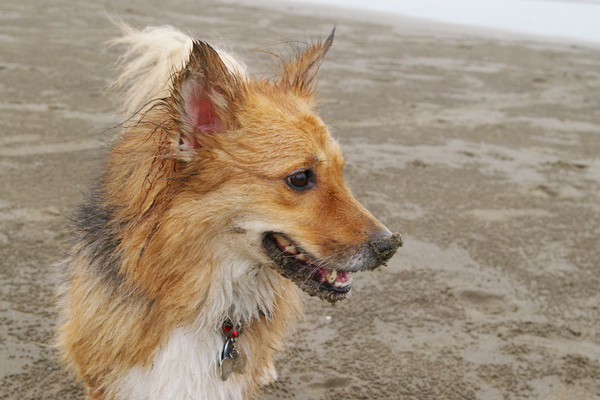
(205,95)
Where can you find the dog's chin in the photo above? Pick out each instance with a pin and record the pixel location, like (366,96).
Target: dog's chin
(305,270)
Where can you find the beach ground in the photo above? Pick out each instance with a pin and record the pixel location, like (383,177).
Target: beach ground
(483,151)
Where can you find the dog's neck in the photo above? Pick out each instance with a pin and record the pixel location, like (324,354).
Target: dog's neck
(244,297)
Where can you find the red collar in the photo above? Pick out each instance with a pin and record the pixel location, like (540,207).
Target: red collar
(231,331)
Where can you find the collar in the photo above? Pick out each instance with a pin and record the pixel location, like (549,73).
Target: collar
(231,331)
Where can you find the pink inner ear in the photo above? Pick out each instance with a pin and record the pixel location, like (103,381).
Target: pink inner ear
(201,112)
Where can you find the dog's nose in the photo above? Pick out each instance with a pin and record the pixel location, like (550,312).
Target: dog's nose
(385,247)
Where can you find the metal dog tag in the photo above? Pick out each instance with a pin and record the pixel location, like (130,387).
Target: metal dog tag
(231,360)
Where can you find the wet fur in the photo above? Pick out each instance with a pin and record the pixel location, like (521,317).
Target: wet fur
(168,245)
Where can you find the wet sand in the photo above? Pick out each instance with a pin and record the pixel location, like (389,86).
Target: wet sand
(483,151)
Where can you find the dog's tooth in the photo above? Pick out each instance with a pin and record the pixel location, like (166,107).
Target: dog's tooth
(342,284)
(301,257)
(291,249)
(331,276)
(281,240)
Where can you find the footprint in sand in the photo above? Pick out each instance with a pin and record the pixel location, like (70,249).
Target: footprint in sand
(484,302)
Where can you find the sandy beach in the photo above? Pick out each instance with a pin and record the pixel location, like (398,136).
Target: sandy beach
(483,151)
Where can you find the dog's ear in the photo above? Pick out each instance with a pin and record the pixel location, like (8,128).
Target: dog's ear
(205,94)
(300,73)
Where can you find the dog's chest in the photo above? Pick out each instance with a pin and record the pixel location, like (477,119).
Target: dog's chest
(184,368)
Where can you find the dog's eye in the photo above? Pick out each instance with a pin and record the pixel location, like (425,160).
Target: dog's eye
(301,180)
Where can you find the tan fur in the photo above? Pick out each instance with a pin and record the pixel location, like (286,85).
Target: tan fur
(170,207)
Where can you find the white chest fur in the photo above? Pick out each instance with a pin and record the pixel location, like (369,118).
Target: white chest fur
(184,368)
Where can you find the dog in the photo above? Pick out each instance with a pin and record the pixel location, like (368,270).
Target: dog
(220,195)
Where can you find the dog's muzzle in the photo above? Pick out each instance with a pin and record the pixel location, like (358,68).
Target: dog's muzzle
(330,278)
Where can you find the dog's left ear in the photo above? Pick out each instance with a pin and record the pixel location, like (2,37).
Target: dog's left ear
(205,94)
(300,74)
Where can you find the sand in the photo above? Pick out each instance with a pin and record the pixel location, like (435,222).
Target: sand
(482,150)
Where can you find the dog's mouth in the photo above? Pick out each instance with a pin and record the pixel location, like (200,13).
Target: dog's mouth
(305,270)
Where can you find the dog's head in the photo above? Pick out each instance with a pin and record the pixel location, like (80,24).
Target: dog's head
(255,153)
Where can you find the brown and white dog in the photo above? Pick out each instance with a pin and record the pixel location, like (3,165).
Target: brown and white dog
(220,195)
